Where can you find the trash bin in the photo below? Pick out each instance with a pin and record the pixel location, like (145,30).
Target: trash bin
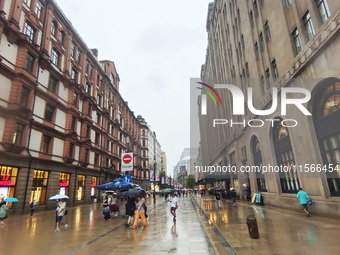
(252,226)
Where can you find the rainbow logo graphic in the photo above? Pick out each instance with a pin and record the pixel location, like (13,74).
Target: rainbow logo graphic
(204,97)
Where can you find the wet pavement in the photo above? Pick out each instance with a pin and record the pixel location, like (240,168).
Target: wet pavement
(200,229)
(88,233)
(282,232)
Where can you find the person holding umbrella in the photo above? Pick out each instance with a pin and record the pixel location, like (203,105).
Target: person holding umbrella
(61,210)
(3,211)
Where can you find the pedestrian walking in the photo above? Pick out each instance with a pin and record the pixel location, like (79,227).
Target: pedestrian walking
(32,206)
(61,212)
(139,213)
(130,209)
(302,196)
(218,200)
(3,212)
(233,195)
(106,208)
(173,206)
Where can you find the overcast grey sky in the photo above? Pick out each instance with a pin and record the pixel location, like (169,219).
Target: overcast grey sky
(157,46)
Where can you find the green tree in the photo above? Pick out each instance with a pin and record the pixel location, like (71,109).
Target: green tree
(191,181)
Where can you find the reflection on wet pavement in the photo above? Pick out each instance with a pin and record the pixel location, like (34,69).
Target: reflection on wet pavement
(281,231)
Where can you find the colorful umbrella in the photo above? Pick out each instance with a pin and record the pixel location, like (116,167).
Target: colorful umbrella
(11,199)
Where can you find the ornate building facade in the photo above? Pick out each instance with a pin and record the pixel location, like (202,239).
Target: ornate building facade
(63,123)
(276,44)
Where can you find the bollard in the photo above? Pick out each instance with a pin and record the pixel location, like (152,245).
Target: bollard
(252,226)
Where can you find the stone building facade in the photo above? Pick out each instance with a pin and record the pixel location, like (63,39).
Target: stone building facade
(276,44)
(63,123)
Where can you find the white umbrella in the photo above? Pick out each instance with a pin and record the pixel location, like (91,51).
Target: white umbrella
(56,197)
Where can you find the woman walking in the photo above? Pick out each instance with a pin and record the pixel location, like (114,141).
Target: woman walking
(139,213)
(3,212)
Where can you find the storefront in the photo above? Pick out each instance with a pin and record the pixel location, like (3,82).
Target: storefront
(39,186)
(8,179)
(64,184)
(80,195)
(93,186)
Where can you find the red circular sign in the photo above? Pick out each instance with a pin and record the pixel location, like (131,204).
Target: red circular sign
(127,159)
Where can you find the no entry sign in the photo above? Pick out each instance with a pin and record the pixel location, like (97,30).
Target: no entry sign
(127,161)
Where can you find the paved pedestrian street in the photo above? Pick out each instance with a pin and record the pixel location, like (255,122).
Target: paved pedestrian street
(200,229)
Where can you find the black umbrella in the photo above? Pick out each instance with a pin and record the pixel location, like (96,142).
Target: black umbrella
(132,193)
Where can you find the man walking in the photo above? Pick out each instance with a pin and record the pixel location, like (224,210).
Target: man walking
(302,196)
(173,206)
(32,206)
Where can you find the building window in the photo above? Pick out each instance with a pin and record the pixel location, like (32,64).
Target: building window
(247,70)
(257,157)
(73,50)
(288,3)
(251,19)
(326,114)
(74,74)
(284,156)
(97,139)
(53,84)
(257,54)
(18,134)
(55,57)
(39,186)
(112,79)
(99,100)
(29,65)
(71,150)
(296,39)
(87,67)
(45,144)
(49,113)
(256,9)
(96,159)
(78,56)
(267,31)
(29,31)
(74,123)
(323,10)
(54,28)
(98,117)
(62,37)
(307,20)
(275,70)
(242,41)
(81,187)
(25,92)
(75,99)
(28,2)
(88,88)
(38,9)
(261,42)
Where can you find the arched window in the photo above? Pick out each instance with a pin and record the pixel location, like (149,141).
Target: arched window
(54,27)
(326,116)
(257,157)
(289,179)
